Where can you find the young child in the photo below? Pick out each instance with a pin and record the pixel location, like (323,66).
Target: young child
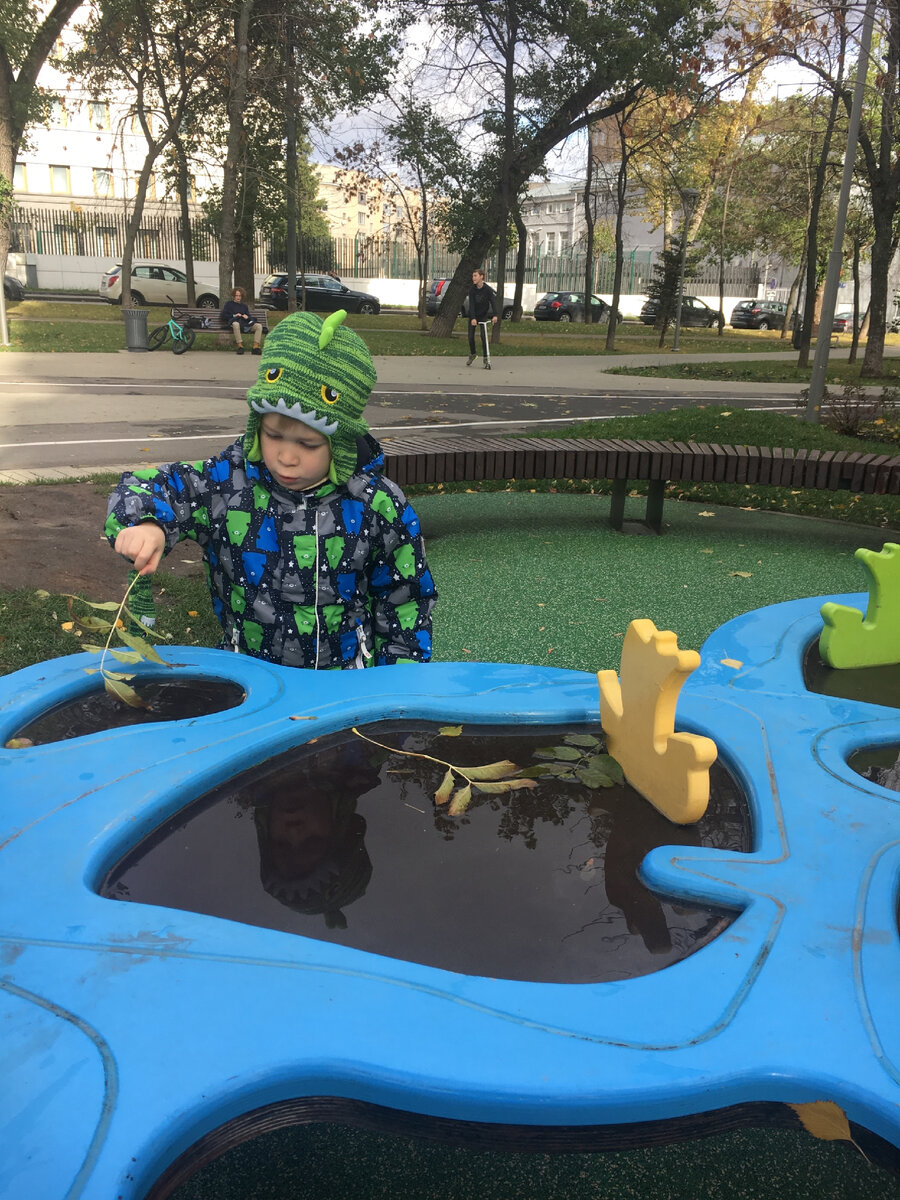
(313,558)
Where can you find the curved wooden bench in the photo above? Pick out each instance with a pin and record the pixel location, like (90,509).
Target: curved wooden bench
(449,459)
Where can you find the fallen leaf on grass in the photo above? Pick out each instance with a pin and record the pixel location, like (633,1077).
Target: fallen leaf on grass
(706,514)
(742,574)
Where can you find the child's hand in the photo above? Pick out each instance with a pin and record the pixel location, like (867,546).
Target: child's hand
(143,544)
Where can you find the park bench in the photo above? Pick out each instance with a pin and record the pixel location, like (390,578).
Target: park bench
(451,459)
(208,320)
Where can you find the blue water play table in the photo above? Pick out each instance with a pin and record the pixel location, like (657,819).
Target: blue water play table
(131,1032)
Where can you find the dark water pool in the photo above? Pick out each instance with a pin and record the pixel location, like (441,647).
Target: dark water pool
(97,710)
(342,841)
(878,763)
(872,685)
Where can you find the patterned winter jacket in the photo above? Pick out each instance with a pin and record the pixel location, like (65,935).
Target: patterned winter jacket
(330,578)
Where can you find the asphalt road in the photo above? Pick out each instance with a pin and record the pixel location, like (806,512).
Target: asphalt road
(85,423)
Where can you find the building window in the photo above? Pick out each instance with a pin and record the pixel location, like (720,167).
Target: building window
(57,114)
(98,114)
(563,241)
(103,181)
(549,208)
(362,198)
(20,178)
(107,243)
(65,239)
(551,243)
(60,180)
(362,218)
(148,240)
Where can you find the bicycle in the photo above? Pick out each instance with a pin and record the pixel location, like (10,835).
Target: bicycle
(182,335)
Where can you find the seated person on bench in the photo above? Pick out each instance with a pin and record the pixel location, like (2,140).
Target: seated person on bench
(237,315)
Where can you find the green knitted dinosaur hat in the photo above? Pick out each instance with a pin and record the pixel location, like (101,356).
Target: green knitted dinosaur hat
(319,373)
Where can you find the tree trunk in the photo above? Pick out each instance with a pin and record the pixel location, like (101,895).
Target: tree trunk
(621,186)
(794,292)
(521,258)
(882,212)
(134,221)
(854,343)
(187,241)
(812,230)
(587,198)
(236,100)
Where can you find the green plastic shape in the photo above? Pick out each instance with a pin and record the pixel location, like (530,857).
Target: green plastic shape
(851,640)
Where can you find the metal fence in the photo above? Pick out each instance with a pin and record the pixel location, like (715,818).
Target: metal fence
(102,234)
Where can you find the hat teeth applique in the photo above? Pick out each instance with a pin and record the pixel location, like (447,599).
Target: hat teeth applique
(319,373)
(297,412)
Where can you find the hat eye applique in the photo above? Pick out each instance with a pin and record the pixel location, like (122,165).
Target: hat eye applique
(274,374)
(329,395)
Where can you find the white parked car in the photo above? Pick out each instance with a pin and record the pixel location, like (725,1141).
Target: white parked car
(154,283)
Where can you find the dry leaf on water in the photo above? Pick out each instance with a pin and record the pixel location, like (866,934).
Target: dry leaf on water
(827,1121)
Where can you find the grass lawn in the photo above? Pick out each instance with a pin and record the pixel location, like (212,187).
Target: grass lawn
(761,371)
(59,326)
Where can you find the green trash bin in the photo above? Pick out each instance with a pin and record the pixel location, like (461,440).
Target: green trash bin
(136,328)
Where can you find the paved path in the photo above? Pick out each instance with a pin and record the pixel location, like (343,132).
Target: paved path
(71,414)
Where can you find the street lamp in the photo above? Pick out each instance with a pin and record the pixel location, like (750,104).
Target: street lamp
(689,198)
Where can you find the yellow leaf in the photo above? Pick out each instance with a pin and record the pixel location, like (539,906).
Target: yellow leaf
(450,730)
(123,692)
(192,613)
(442,795)
(461,801)
(706,514)
(68,626)
(731,662)
(19,743)
(824,1120)
(742,574)
(506,785)
(495,770)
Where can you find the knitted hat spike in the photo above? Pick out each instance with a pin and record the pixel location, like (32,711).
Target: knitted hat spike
(317,372)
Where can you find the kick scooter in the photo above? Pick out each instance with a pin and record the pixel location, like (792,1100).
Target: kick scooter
(486,327)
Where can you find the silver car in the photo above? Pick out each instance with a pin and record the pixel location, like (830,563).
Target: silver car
(154,283)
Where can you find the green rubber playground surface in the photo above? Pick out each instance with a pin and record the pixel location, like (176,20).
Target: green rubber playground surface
(543,579)
(540,578)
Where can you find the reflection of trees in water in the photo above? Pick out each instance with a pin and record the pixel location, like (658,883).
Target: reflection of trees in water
(613,828)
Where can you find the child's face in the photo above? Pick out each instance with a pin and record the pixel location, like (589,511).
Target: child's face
(297,456)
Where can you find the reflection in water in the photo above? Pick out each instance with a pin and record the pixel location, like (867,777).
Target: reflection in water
(178,699)
(881,764)
(871,685)
(541,884)
(312,853)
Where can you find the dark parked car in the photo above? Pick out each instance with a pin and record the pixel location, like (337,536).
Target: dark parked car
(323,294)
(693,312)
(569,306)
(435,294)
(843,321)
(758,314)
(13,288)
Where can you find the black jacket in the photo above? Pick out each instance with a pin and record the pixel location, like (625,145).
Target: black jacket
(482,303)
